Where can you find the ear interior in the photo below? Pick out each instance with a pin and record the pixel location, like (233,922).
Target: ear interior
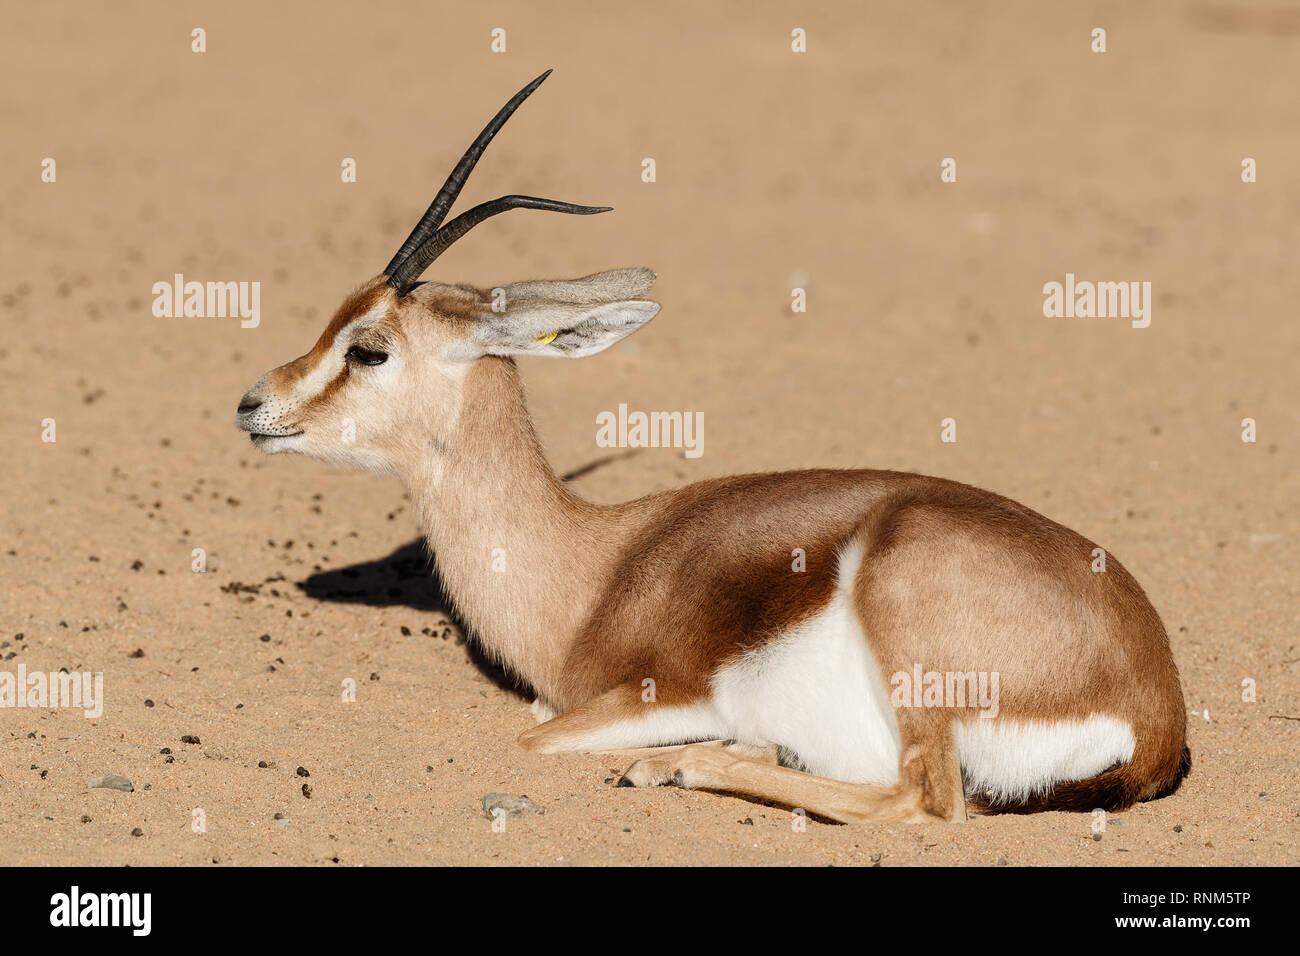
(567,318)
(563,330)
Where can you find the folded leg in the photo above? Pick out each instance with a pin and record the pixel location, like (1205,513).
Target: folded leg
(620,719)
(929,787)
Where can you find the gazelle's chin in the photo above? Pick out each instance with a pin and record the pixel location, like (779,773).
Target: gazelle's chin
(275,444)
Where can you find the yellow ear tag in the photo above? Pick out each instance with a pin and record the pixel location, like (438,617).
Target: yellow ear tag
(546,339)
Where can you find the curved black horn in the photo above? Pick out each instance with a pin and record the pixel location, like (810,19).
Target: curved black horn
(436,244)
(437,210)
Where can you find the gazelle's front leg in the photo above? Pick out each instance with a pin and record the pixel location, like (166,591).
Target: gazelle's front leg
(620,719)
(929,787)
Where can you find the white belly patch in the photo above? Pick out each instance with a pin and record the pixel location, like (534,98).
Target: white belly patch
(817,691)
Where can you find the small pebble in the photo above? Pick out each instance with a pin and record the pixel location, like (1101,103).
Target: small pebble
(514,806)
(190,739)
(111,782)
(137,832)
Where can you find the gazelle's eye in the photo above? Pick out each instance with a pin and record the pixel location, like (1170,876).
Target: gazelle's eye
(366,356)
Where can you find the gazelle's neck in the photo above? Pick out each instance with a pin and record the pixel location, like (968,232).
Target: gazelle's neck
(521,557)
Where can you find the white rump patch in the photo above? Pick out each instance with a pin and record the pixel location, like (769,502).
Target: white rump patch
(818,692)
(1011,760)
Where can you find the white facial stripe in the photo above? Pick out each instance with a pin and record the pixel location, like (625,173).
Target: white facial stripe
(274,416)
(314,382)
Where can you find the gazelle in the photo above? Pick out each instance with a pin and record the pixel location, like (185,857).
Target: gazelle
(681,619)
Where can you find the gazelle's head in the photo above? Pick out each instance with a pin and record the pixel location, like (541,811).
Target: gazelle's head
(384,381)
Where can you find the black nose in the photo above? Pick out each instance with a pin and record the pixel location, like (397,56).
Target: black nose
(247,405)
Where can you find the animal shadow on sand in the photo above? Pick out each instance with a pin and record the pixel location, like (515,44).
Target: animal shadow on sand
(405,578)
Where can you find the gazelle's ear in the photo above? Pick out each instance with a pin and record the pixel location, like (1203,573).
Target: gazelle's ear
(569,319)
(562,330)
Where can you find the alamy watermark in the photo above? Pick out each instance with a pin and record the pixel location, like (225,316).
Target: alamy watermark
(949,689)
(635,429)
(128,910)
(1083,299)
(208,300)
(54,689)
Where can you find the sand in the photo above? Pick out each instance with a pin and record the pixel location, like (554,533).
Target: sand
(774,169)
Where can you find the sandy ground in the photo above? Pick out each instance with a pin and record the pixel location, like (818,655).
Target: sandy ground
(772,169)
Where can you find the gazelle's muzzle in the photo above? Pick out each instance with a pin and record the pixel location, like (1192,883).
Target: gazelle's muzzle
(261,414)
